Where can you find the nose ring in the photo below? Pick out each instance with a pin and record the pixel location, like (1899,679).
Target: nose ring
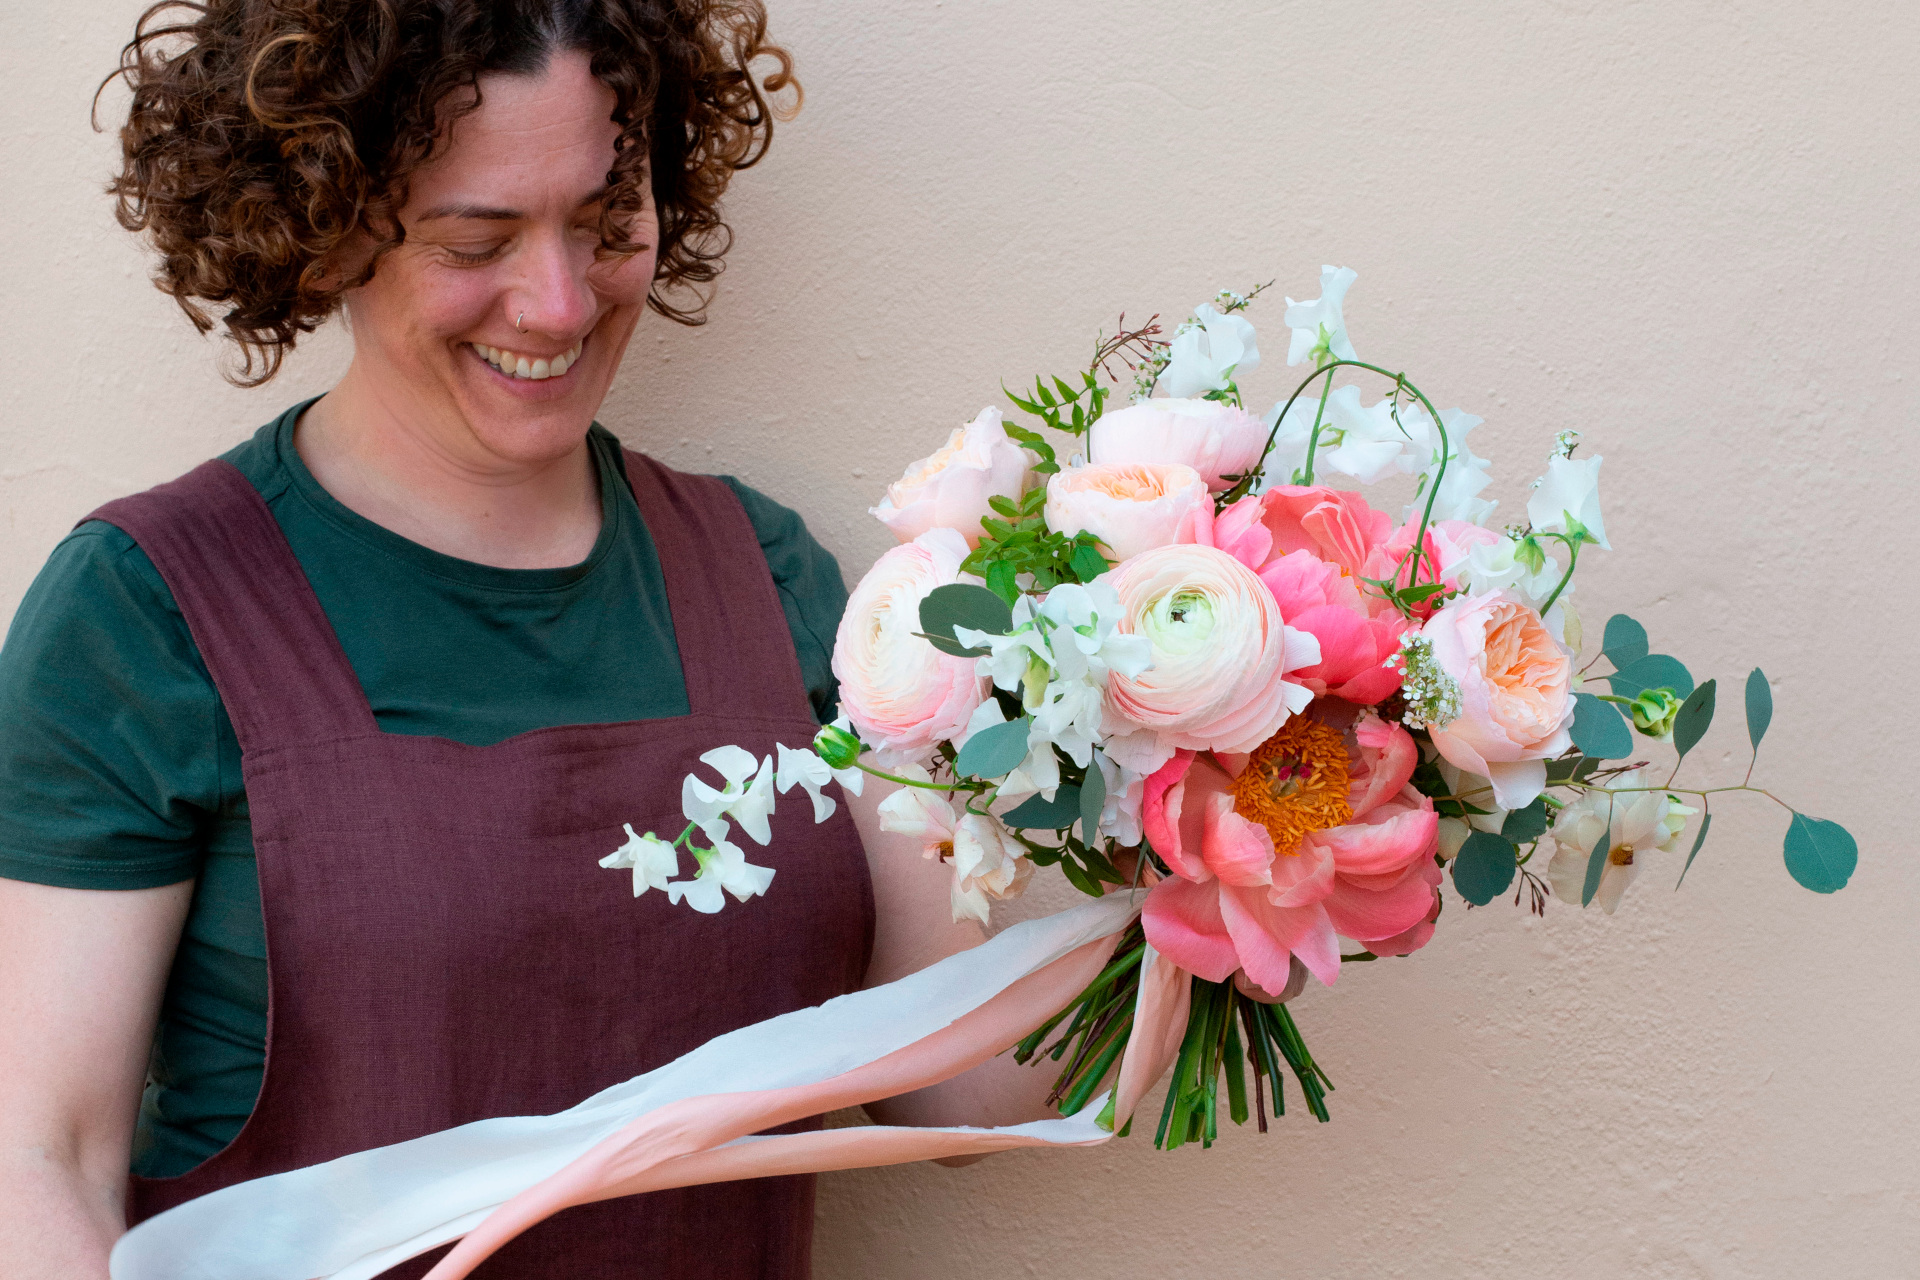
(517,319)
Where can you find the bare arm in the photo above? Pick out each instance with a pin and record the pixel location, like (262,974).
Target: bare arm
(914,928)
(81,976)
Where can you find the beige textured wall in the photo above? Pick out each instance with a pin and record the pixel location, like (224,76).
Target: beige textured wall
(1686,229)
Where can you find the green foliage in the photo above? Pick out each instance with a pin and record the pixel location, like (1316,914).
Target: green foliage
(1695,715)
(994,751)
(1062,407)
(1625,642)
(1571,769)
(1484,867)
(1759,707)
(1428,781)
(1523,826)
(1700,838)
(1821,855)
(1018,542)
(1598,730)
(1597,865)
(1093,799)
(1653,712)
(961,604)
(1039,813)
(1655,671)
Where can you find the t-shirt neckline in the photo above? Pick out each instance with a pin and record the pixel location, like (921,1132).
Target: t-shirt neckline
(467,572)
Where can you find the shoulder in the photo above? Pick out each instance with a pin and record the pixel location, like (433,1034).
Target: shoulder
(793,553)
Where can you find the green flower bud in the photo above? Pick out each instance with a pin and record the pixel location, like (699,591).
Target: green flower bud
(1654,711)
(837,747)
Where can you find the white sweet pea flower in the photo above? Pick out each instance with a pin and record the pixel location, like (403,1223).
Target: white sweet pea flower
(723,867)
(1571,488)
(1120,816)
(653,860)
(1083,639)
(1320,327)
(1286,462)
(806,770)
(920,812)
(1208,353)
(1467,472)
(747,798)
(1635,824)
(1365,443)
(1501,566)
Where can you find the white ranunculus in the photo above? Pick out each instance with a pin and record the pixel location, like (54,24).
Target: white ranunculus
(747,798)
(1208,353)
(952,487)
(1635,823)
(723,867)
(654,861)
(1321,325)
(1571,487)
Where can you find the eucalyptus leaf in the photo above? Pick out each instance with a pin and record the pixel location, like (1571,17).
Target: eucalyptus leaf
(994,751)
(1564,769)
(1759,706)
(1696,714)
(1036,811)
(1093,800)
(961,604)
(1655,671)
(1625,641)
(1597,864)
(1699,838)
(1598,729)
(1484,867)
(1821,855)
(1523,826)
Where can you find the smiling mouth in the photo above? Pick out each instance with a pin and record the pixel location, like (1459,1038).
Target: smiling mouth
(533,368)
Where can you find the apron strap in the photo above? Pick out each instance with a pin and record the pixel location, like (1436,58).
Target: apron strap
(736,650)
(273,656)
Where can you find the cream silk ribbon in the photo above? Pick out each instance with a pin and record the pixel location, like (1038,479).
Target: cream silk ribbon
(685,1123)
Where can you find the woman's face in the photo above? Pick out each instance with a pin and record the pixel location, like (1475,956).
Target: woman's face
(493,325)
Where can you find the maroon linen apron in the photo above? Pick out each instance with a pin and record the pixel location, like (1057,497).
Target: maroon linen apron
(442,946)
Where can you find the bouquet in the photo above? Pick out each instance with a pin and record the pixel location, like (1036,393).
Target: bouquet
(1199,662)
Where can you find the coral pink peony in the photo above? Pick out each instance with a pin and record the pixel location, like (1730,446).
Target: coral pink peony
(1131,507)
(901,693)
(1515,704)
(1220,651)
(950,489)
(1215,439)
(1274,855)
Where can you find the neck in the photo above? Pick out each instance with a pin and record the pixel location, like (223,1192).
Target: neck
(425,475)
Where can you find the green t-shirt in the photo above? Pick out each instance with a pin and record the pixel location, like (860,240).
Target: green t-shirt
(120,769)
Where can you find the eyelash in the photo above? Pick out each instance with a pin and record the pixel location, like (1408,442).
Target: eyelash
(472,259)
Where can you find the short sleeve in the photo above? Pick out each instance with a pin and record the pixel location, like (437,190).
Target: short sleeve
(812,592)
(111,757)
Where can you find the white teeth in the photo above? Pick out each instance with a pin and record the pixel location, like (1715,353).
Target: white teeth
(532,368)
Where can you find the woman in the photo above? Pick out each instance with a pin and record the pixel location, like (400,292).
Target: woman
(311,754)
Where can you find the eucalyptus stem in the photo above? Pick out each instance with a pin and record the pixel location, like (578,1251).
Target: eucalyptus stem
(1683,791)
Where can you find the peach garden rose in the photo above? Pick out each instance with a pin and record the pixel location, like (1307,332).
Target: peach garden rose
(1131,507)
(1215,439)
(951,487)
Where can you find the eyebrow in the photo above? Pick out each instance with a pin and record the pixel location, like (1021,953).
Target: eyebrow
(493,213)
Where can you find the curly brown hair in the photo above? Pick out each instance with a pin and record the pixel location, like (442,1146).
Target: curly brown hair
(264,134)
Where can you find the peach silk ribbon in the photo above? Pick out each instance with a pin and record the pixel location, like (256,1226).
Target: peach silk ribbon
(685,1123)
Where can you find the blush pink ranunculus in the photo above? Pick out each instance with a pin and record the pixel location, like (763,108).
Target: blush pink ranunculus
(1516,701)
(1221,653)
(1314,836)
(1130,506)
(901,693)
(1212,437)
(951,488)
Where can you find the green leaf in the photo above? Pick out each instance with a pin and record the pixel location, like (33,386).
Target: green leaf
(1079,879)
(1700,838)
(1002,583)
(1484,867)
(1564,769)
(1036,811)
(1087,562)
(1597,863)
(994,751)
(1625,642)
(1821,855)
(1093,799)
(1598,730)
(961,604)
(1696,713)
(1655,671)
(1526,825)
(1759,706)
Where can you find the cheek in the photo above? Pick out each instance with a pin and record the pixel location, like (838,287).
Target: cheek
(413,303)
(625,284)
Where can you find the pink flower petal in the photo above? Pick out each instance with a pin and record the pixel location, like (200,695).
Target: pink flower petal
(1383,843)
(1174,831)
(1367,914)
(1304,877)
(1388,758)
(1238,851)
(1265,935)
(1184,924)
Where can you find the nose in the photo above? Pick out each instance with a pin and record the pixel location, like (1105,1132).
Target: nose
(551,295)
